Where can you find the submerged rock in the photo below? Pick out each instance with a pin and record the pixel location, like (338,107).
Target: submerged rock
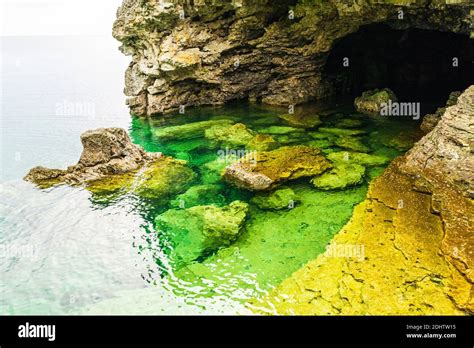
(363,159)
(279,130)
(194,233)
(271,168)
(340,177)
(340,131)
(301,120)
(189,130)
(352,143)
(107,152)
(370,101)
(230,135)
(198,195)
(263,142)
(349,123)
(282,198)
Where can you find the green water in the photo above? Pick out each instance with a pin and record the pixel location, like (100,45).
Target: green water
(273,243)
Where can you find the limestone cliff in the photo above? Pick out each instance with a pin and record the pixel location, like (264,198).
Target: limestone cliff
(210,52)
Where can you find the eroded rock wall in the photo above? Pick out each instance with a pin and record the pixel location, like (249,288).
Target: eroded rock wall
(188,53)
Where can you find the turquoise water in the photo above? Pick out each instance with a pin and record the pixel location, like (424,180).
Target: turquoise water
(66,250)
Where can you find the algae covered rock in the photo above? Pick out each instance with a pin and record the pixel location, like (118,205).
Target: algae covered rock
(106,152)
(213,171)
(363,159)
(352,143)
(340,177)
(189,130)
(370,101)
(349,123)
(280,130)
(340,131)
(193,233)
(301,120)
(200,194)
(282,198)
(230,135)
(160,179)
(271,168)
(263,142)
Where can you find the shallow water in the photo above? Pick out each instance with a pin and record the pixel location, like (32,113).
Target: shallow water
(65,250)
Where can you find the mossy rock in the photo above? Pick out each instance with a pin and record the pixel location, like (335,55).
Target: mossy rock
(271,168)
(158,180)
(342,131)
(199,195)
(320,144)
(189,130)
(301,120)
(230,135)
(193,234)
(352,143)
(280,130)
(349,123)
(263,142)
(370,101)
(360,158)
(282,198)
(340,177)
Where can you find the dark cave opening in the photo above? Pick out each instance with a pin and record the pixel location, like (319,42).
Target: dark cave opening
(418,65)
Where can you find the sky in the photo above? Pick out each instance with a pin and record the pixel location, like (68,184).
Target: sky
(57,17)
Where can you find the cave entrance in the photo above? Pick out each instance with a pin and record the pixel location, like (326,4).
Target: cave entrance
(418,65)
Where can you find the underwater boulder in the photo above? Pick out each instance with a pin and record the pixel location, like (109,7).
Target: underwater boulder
(270,168)
(263,142)
(340,177)
(230,135)
(339,131)
(199,194)
(364,159)
(194,233)
(282,198)
(188,130)
(352,143)
(280,130)
(349,123)
(370,102)
(212,171)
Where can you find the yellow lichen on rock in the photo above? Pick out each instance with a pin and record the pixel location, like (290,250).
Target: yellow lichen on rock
(398,268)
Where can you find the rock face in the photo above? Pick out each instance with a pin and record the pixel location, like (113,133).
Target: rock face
(431,120)
(442,165)
(211,52)
(269,169)
(415,226)
(107,151)
(370,101)
(198,231)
